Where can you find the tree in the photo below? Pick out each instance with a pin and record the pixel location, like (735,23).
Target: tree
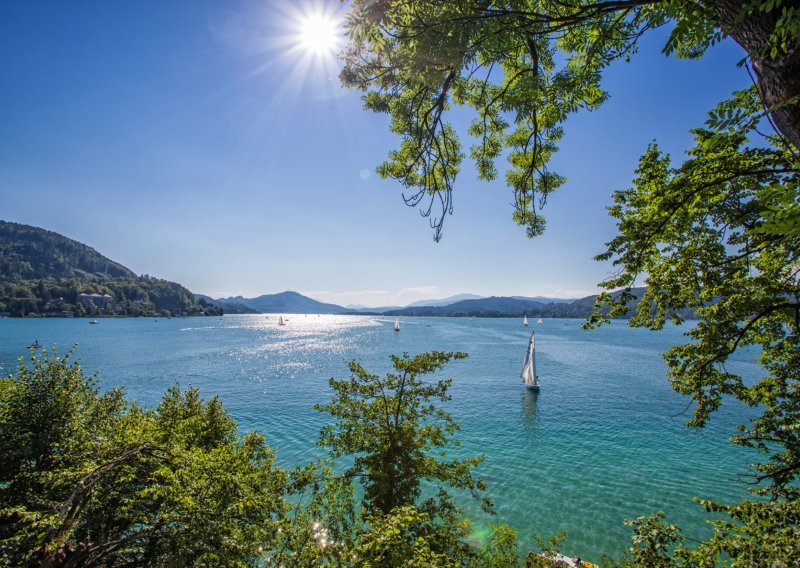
(389,425)
(703,236)
(397,438)
(718,233)
(524,67)
(89,479)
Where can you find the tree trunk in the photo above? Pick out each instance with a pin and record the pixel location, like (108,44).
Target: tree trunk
(779,77)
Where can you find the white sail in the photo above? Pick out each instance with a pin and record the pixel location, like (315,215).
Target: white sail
(397,324)
(529,367)
(280,320)
(525,321)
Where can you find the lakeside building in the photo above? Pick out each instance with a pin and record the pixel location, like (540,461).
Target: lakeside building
(103,303)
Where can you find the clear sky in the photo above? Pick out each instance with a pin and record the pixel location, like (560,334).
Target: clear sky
(200,141)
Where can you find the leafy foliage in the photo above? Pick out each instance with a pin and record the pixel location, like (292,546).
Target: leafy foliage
(716,235)
(523,67)
(89,479)
(703,236)
(393,539)
(397,438)
(389,426)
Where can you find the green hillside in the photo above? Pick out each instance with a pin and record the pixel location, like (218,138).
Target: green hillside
(43,273)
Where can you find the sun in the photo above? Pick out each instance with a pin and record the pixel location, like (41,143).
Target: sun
(320,34)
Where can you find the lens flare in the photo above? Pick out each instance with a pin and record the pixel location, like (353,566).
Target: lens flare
(320,34)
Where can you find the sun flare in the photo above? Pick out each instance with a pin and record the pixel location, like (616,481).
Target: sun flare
(320,34)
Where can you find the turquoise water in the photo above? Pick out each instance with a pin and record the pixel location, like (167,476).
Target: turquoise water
(602,441)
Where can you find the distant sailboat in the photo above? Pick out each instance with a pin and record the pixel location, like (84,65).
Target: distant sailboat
(280,320)
(397,324)
(539,322)
(525,321)
(529,368)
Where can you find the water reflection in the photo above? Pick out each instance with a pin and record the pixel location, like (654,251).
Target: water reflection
(529,399)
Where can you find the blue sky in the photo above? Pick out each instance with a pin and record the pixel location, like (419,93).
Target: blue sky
(194,141)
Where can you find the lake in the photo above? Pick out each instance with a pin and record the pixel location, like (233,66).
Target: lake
(602,441)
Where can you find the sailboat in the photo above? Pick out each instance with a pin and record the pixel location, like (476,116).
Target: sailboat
(529,367)
(280,320)
(525,321)
(397,324)
(539,322)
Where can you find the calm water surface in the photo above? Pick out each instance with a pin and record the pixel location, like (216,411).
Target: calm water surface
(604,439)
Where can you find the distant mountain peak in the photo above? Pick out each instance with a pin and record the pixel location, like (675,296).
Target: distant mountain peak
(287,302)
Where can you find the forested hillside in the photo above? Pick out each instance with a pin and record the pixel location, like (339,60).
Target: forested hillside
(43,273)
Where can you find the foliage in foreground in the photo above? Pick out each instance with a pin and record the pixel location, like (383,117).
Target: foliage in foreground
(397,435)
(717,233)
(91,479)
(391,425)
(710,235)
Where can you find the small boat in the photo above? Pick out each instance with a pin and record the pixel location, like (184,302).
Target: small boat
(35,345)
(539,322)
(280,320)
(397,324)
(525,321)
(528,374)
(93,322)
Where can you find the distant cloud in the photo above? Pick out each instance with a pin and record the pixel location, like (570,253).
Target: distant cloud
(365,174)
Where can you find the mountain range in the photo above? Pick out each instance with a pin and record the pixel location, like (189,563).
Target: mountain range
(44,273)
(494,306)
